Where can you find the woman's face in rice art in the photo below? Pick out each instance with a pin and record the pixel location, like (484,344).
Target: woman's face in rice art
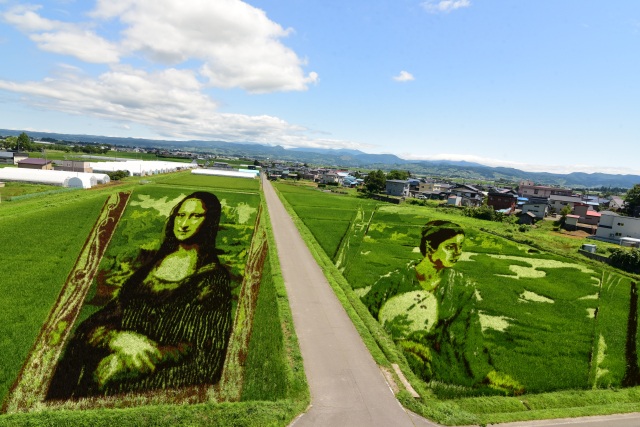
(189,219)
(448,252)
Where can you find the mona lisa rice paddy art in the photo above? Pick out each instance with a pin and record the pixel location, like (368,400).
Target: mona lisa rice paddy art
(156,321)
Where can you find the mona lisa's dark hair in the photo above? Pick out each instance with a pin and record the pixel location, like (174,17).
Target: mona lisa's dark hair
(436,232)
(205,237)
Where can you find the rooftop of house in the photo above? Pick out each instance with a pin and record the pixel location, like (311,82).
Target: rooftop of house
(34,161)
(572,199)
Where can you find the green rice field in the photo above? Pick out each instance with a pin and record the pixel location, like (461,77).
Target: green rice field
(550,323)
(44,236)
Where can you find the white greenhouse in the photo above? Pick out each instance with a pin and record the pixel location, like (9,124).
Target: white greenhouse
(220,172)
(140,167)
(50,177)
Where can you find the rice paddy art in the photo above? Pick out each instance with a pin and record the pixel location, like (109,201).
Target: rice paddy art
(158,319)
(534,322)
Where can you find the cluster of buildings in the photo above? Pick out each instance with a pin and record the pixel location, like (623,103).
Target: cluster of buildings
(327,176)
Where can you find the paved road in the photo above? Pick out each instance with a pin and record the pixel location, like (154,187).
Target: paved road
(347,387)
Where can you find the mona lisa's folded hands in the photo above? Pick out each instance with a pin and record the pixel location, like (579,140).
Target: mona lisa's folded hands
(132,354)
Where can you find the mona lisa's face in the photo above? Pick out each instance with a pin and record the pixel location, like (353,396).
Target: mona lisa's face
(189,219)
(448,252)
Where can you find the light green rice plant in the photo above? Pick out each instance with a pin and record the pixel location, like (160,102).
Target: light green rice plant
(40,248)
(211,182)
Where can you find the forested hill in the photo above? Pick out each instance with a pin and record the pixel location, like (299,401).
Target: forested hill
(355,159)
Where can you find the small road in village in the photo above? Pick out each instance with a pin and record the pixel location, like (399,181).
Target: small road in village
(347,386)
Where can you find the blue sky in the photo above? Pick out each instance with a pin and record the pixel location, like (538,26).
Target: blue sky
(541,85)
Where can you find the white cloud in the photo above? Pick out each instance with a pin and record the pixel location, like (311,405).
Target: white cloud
(171,103)
(236,43)
(444,6)
(233,44)
(404,76)
(63,38)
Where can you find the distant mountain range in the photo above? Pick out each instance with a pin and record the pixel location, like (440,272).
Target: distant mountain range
(355,159)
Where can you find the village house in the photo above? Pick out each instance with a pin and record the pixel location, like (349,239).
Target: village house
(558,203)
(501,199)
(586,213)
(311,175)
(612,227)
(537,206)
(396,187)
(528,188)
(468,194)
(615,203)
(331,178)
(433,187)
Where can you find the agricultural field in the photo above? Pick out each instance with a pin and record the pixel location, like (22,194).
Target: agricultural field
(187,179)
(261,370)
(329,216)
(15,190)
(546,323)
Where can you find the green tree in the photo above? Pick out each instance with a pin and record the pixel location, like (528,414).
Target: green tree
(24,142)
(10,142)
(397,174)
(632,201)
(375,182)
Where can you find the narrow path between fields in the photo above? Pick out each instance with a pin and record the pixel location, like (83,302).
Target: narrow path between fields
(347,387)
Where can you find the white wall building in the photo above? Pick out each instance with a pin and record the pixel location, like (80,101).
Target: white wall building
(613,226)
(221,172)
(538,209)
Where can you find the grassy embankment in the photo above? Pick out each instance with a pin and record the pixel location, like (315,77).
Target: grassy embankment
(557,338)
(43,236)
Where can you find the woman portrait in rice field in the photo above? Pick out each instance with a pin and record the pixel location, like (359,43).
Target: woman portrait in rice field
(168,327)
(430,311)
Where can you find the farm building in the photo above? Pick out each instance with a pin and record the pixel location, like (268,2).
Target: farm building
(35,163)
(74,166)
(12,157)
(6,157)
(220,172)
(571,222)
